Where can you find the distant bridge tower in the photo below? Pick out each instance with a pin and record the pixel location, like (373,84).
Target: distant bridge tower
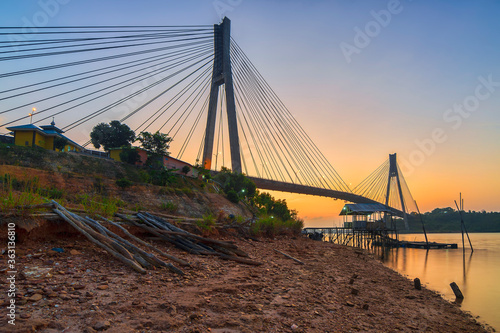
(394,174)
(222,75)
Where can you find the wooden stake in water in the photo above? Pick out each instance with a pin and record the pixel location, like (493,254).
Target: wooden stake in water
(456,290)
(423,226)
(463,226)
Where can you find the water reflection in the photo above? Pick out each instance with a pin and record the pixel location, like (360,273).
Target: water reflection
(475,274)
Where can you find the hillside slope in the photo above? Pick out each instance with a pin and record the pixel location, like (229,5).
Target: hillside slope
(85,182)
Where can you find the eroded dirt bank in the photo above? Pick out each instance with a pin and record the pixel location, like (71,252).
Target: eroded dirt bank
(338,289)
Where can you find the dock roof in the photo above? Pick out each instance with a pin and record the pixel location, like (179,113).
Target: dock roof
(364,209)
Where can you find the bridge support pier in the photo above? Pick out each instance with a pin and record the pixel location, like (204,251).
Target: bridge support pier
(222,74)
(394,173)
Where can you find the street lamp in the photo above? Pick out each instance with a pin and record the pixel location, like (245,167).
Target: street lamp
(31,114)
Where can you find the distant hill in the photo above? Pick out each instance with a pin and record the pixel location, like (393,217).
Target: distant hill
(448,220)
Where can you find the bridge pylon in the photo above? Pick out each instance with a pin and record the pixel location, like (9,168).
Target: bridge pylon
(394,174)
(222,75)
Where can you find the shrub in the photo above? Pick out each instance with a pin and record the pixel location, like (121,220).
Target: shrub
(162,177)
(207,223)
(123,183)
(232,196)
(272,226)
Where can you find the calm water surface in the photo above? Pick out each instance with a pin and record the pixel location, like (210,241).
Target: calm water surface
(477,274)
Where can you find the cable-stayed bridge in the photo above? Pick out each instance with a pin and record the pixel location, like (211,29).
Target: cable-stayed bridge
(194,83)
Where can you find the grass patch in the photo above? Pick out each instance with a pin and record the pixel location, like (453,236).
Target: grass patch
(187,191)
(102,205)
(15,194)
(52,193)
(169,206)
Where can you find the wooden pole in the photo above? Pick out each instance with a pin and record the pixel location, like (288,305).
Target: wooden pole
(464,228)
(423,226)
(456,290)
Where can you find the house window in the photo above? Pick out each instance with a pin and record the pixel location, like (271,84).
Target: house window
(26,143)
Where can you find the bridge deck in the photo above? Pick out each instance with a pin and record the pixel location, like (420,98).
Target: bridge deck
(274,185)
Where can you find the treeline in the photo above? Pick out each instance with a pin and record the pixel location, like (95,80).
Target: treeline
(448,220)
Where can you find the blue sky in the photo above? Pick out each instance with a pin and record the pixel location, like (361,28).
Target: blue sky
(392,94)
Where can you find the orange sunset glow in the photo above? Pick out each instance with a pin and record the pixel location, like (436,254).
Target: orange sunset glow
(428,92)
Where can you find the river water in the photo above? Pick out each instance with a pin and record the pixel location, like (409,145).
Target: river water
(477,274)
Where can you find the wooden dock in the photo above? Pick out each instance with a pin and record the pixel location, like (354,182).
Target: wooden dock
(424,245)
(365,238)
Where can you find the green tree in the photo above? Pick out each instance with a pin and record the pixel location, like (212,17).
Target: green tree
(185,169)
(268,205)
(202,172)
(112,135)
(237,183)
(60,143)
(130,155)
(156,143)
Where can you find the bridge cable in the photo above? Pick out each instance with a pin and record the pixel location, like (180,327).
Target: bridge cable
(290,142)
(343,185)
(107,108)
(94,84)
(110,69)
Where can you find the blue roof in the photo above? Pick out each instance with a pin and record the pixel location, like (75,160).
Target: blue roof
(24,127)
(49,130)
(364,209)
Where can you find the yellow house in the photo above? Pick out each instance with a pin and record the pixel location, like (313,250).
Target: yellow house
(43,136)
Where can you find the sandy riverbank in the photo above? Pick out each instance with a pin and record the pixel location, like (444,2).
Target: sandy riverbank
(337,290)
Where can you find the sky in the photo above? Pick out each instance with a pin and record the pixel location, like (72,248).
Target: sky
(363,78)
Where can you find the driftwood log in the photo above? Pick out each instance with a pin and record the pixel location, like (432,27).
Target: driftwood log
(115,254)
(129,252)
(140,241)
(290,257)
(117,246)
